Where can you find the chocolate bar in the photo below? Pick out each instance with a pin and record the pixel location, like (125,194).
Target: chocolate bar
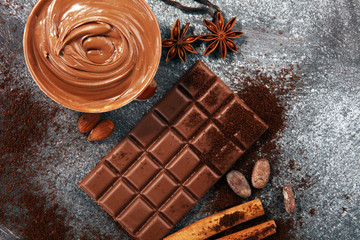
(154,176)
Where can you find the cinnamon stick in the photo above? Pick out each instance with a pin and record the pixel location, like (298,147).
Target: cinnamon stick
(219,222)
(257,232)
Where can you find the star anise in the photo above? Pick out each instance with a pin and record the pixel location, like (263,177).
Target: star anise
(178,43)
(221,35)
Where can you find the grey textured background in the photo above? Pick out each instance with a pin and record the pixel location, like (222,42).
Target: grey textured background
(322,133)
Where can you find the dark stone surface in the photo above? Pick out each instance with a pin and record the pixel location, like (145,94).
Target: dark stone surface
(322,132)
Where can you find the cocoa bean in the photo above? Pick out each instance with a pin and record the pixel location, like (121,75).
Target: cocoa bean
(239,184)
(261,173)
(289,199)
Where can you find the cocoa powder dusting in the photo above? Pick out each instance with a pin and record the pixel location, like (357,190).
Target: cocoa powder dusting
(228,220)
(238,121)
(312,212)
(23,126)
(193,119)
(24,123)
(212,98)
(46,222)
(266,94)
(20,122)
(217,141)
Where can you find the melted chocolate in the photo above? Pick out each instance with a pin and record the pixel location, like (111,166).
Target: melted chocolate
(92,56)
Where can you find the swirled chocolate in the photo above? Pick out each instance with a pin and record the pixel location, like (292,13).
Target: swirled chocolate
(92,56)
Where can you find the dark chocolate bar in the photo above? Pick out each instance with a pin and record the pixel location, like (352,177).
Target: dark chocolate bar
(154,176)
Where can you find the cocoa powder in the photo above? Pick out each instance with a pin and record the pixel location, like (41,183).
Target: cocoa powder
(266,93)
(212,98)
(312,212)
(217,141)
(239,121)
(228,220)
(43,222)
(23,125)
(193,120)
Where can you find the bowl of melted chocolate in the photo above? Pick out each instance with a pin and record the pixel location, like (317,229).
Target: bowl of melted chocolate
(92,56)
